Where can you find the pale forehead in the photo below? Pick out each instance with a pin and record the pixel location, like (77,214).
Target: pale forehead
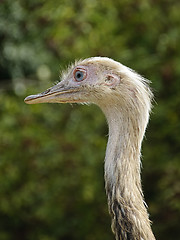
(102,61)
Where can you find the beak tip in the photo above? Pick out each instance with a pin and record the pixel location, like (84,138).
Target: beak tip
(28,99)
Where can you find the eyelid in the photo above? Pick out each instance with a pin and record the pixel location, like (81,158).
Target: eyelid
(81,70)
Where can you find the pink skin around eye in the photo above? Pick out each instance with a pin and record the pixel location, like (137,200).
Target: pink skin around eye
(81,69)
(91,76)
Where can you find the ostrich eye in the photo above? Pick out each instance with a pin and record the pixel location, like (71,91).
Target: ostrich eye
(79,75)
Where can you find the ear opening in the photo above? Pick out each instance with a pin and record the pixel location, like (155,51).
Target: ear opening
(112,80)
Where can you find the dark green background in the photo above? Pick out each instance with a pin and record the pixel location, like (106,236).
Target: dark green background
(51,155)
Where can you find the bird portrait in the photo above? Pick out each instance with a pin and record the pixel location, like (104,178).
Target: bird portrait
(125,98)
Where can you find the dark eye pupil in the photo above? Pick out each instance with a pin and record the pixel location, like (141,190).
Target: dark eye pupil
(79,75)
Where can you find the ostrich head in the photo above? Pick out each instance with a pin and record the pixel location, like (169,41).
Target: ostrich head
(104,82)
(98,80)
(125,99)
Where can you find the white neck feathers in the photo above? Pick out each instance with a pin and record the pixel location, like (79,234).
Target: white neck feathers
(122,171)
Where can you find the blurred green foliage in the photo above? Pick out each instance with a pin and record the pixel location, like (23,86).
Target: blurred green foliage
(51,156)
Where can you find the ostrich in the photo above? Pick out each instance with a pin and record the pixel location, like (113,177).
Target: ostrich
(125,99)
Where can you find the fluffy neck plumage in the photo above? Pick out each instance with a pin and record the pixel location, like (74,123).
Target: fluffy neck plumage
(122,173)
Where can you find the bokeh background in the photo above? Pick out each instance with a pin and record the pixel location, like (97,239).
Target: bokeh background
(51,155)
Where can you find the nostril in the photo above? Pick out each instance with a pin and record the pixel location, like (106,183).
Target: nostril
(62,86)
(47,91)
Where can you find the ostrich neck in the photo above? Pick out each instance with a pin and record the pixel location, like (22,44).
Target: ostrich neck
(122,175)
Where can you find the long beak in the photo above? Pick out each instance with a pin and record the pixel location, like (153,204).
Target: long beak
(55,94)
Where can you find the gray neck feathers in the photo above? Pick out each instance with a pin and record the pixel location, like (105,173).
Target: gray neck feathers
(122,173)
